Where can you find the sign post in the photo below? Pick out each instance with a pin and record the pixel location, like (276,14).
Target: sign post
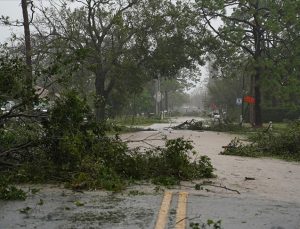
(157,95)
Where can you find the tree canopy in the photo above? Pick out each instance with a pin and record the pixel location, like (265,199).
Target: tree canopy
(255,33)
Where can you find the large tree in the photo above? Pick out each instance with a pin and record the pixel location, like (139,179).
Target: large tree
(124,43)
(256,33)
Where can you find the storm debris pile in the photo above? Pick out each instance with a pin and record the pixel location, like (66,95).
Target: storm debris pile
(190,125)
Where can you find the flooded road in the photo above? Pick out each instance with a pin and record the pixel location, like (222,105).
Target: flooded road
(270,201)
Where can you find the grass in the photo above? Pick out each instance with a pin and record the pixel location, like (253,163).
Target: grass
(137,121)
(248,130)
(127,125)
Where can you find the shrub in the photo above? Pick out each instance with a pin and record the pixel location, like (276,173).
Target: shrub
(81,154)
(279,114)
(10,192)
(168,165)
(65,132)
(176,162)
(284,144)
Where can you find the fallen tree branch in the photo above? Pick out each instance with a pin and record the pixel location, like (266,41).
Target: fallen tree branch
(189,125)
(209,183)
(17,148)
(196,217)
(146,140)
(8,164)
(224,187)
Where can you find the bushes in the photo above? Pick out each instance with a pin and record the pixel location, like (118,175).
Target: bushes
(65,131)
(284,144)
(17,142)
(10,192)
(280,114)
(74,150)
(236,128)
(95,160)
(165,166)
(174,161)
(168,165)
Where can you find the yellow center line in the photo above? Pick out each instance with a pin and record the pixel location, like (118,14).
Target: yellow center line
(163,212)
(181,210)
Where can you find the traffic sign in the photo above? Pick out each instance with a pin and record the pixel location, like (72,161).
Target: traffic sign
(239,101)
(249,99)
(158,96)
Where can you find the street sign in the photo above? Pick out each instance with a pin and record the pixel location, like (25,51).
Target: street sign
(249,99)
(158,96)
(239,101)
(213,106)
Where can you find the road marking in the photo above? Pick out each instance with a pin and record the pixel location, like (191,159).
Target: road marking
(181,211)
(163,212)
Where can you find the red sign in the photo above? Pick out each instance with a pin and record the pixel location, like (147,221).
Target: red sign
(249,99)
(213,106)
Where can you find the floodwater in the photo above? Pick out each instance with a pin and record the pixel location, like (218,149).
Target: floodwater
(270,201)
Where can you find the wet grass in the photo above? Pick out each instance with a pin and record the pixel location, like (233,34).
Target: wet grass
(247,130)
(138,121)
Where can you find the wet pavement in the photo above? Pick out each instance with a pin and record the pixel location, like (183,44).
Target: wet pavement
(271,201)
(64,209)
(245,213)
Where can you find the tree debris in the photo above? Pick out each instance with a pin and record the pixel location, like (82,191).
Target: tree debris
(189,125)
(249,178)
(200,186)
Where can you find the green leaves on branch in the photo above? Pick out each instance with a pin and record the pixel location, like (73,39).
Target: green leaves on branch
(283,144)
(79,152)
(10,192)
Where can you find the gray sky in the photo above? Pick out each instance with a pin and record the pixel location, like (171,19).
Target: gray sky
(11,8)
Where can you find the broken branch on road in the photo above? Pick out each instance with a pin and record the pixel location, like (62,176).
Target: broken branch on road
(199,186)
(189,125)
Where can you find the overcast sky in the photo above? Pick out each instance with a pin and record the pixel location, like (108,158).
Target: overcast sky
(11,8)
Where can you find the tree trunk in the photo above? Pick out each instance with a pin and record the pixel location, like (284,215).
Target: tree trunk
(166,101)
(257,107)
(27,47)
(258,41)
(101,97)
(251,106)
(134,113)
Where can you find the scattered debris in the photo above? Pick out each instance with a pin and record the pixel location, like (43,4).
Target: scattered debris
(249,178)
(228,146)
(137,129)
(78,203)
(189,125)
(223,187)
(232,145)
(41,202)
(25,210)
(201,186)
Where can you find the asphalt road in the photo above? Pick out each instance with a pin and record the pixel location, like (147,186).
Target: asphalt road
(147,209)
(271,201)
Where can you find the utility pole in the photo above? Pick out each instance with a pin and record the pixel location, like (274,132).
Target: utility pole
(157,96)
(251,106)
(243,95)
